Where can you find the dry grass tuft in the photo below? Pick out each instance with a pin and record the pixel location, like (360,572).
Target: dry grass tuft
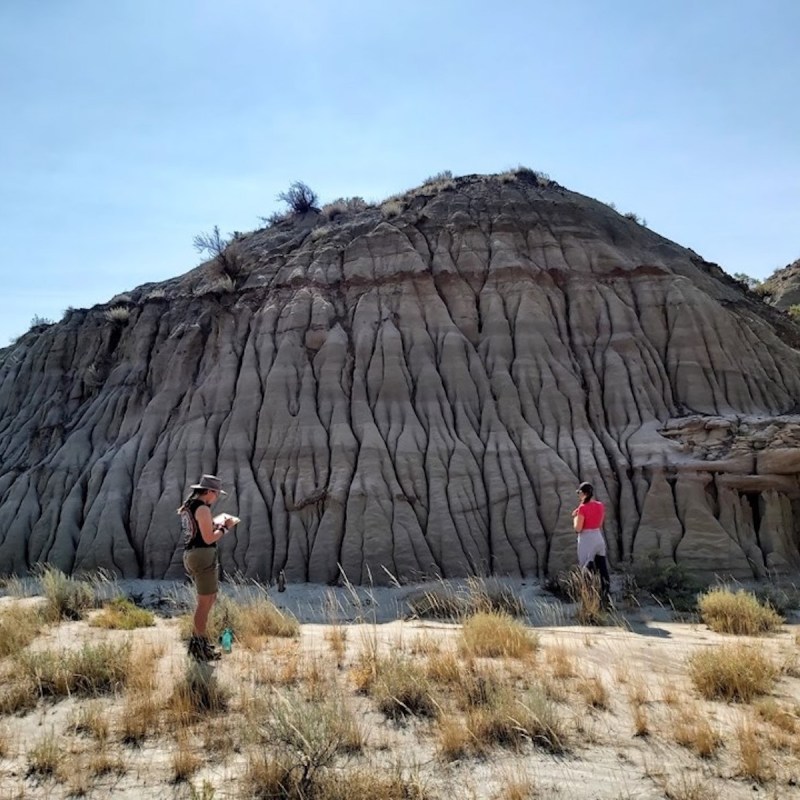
(511,721)
(195,696)
(122,614)
(268,776)
(732,672)
(44,757)
(185,762)
(101,762)
(641,723)
(336,637)
(739,613)
(561,660)
(753,758)
(517,785)
(140,718)
(369,783)
(690,787)
(778,716)
(445,669)
(495,634)
(401,688)
(583,589)
(92,670)
(455,740)
(691,729)
(251,620)
(89,719)
(19,626)
(594,692)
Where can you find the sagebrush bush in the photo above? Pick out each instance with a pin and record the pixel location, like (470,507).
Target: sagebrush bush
(739,612)
(667,582)
(122,614)
(308,737)
(67,597)
(299,197)
(496,634)
(736,672)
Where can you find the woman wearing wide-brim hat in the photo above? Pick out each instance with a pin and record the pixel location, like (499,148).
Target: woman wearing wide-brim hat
(200,537)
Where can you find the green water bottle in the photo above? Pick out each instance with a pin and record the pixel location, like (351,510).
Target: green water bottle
(226,640)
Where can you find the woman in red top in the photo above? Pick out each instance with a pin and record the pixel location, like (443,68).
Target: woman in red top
(587,520)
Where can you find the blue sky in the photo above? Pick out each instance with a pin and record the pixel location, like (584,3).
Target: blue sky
(130,126)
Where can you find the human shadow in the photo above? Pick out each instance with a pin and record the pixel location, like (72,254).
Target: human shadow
(201,688)
(645,629)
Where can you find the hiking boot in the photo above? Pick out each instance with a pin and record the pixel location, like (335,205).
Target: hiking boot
(211,652)
(200,649)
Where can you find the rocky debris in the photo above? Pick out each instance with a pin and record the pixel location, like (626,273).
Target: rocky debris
(413,390)
(783,286)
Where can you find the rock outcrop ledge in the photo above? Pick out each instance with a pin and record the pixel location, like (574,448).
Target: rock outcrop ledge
(412,390)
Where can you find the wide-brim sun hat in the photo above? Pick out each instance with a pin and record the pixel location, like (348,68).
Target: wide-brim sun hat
(209,483)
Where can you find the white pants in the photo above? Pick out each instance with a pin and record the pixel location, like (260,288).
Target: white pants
(590,544)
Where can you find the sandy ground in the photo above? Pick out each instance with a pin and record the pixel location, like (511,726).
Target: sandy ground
(643,654)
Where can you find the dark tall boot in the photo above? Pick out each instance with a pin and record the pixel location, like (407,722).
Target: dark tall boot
(601,565)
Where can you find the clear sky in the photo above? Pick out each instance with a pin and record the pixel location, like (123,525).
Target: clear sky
(127,127)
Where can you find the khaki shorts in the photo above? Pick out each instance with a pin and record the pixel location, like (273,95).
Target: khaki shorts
(201,564)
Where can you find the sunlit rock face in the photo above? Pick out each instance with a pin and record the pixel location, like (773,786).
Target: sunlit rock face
(782,288)
(413,390)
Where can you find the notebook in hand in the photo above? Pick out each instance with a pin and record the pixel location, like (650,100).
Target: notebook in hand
(222,519)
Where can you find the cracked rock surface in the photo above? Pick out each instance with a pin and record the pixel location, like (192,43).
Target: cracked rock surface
(414,390)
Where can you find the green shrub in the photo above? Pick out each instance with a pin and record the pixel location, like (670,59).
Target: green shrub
(667,582)
(739,612)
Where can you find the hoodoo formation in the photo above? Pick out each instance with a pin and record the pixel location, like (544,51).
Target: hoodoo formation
(413,388)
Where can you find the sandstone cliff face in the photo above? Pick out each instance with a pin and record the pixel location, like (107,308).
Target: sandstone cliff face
(414,390)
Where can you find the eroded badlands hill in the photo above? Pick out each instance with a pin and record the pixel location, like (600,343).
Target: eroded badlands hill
(414,388)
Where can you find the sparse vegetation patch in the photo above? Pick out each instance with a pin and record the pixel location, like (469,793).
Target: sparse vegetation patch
(739,612)
(736,672)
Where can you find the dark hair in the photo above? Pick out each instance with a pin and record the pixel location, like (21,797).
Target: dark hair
(588,490)
(195,493)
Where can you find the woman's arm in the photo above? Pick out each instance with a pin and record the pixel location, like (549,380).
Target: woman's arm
(209,533)
(577,521)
